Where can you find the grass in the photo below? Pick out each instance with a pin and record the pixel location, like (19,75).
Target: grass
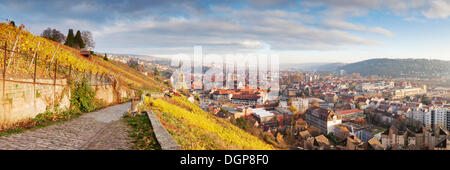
(41,120)
(142,132)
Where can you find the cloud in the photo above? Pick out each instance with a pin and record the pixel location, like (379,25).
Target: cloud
(414,19)
(217,25)
(380,30)
(439,9)
(355,27)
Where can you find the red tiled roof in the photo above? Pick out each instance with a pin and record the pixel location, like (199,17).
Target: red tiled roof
(362,99)
(348,111)
(246,96)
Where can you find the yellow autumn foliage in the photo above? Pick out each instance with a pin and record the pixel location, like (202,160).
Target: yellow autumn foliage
(27,44)
(196,129)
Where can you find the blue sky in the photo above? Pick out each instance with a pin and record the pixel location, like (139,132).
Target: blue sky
(299,31)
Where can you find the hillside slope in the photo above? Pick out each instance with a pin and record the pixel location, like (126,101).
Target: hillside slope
(399,68)
(195,129)
(49,52)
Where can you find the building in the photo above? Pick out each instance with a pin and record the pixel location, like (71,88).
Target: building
(284,116)
(292,92)
(431,118)
(394,138)
(222,95)
(353,143)
(376,144)
(402,93)
(438,117)
(341,132)
(300,103)
(352,114)
(239,112)
(247,99)
(263,116)
(331,98)
(323,119)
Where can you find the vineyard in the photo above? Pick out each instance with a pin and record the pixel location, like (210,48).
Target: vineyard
(26,56)
(195,129)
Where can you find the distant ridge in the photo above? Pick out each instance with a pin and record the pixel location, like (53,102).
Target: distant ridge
(421,68)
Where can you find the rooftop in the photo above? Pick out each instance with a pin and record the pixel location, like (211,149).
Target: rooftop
(352,111)
(260,112)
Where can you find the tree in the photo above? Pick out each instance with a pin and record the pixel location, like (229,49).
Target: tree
(78,41)
(243,123)
(88,39)
(425,100)
(53,34)
(293,109)
(156,72)
(12,23)
(70,38)
(358,106)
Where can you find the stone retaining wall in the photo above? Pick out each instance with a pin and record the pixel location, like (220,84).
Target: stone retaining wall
(22,99)
(165,140)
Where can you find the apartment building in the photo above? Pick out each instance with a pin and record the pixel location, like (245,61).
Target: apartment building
(323,119)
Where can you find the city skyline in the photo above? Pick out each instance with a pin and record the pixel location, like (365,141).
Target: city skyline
(298,31)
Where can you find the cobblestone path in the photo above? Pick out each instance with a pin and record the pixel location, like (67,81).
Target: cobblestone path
(100,130)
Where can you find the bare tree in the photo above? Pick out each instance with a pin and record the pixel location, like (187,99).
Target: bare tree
(88,39)
(53,34)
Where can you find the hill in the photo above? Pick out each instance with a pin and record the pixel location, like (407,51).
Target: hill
(421,68)
(195,129)
(331,67)
(50,53)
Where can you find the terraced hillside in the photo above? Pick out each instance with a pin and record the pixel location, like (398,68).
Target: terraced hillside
(195,129)
(47,52)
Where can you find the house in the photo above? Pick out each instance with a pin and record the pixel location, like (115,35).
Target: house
(300,103)
(292,92)
(385,108)
(341,132)
(352,114)
(353,143)
(394,137)
(300,125)
(331,97)
(239,111)
(247,99)
(322,142)
(263,116)
(375,144)
(403,110)
(304,135)
(362,101)
(325,120)
(86,54)
(222,95)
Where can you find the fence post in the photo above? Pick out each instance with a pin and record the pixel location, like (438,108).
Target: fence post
(96,79)
(4,68)
(69,83)
(34,81)
(54,83)
(70,72)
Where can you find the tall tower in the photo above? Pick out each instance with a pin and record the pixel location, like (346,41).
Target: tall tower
(224,70)
(257,73)
(247,75)
(235,76)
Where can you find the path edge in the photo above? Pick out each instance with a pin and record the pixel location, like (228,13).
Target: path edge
(163,137)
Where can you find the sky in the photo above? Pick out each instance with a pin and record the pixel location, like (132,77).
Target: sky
(301,31)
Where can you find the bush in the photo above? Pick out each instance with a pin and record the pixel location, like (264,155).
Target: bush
(83,97)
